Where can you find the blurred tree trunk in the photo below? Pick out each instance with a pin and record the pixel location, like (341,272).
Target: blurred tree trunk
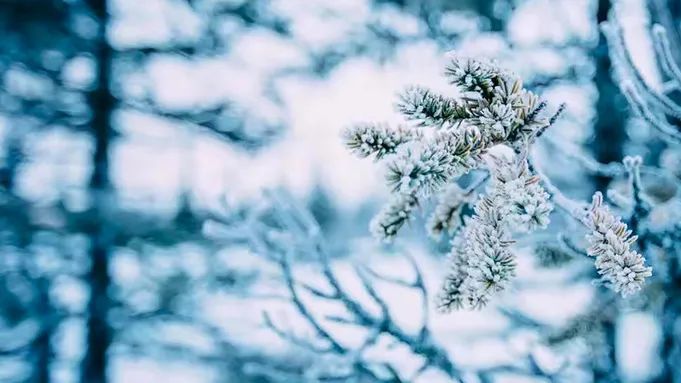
(608,146)
(13,157)
(606,371)
(486,9)
(99,332)
(609,130)
(41,346)
(668,13)
(668,321)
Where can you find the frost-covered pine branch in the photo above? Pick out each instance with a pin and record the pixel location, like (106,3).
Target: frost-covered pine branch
(610,242)
(481,261)
(430,109)
(523,199)
(426,167)
(393,216)
(447,215)
(378,140)
(494,110)
(471,75)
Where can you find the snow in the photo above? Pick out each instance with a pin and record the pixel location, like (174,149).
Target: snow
(152,23)
(568,19)
(145,371)
(320,24)
(62,155)
(641,338)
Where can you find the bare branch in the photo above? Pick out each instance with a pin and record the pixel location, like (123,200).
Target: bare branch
(664,54)
(573,208)
(288,336)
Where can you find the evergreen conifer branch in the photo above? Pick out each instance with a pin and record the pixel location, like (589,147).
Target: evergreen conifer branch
(495,110)
(623,269)
(378,140)
(427,108)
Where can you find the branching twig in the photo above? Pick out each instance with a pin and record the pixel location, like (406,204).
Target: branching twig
(573,208)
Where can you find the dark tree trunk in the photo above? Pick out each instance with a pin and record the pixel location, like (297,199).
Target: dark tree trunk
(13,157)
(486,9)
(668,14)
(99,331)
(42,344)
(608,146)
(609,130)
(668,319)
(605,371)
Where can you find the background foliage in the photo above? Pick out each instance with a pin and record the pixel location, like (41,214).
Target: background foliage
(177,204)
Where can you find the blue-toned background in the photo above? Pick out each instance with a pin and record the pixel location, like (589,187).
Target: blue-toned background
(157,158)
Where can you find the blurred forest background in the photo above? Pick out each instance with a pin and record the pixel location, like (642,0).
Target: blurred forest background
(176,204)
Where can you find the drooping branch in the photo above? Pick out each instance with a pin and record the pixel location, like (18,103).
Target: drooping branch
(653,106)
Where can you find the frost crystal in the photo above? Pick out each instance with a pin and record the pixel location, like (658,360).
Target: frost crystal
(498,118)
(610,242)
(481,262)
(446,217)
(375,139)
(425,169)
(430,109)
(393,216)
(472,75)
(521,196)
